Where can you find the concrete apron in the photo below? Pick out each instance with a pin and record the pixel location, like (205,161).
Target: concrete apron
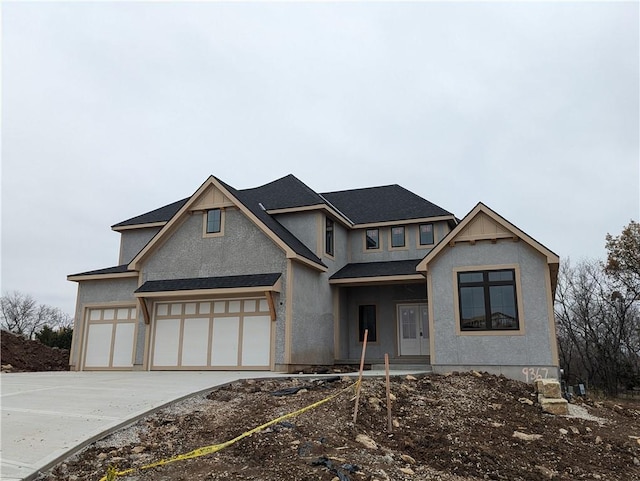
(47,417)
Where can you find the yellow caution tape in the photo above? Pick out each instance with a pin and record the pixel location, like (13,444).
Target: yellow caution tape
(214,448)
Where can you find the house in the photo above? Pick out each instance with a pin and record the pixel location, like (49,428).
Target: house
(279,276)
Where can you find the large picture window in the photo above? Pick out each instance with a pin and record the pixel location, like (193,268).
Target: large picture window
(367,320)
(488,300)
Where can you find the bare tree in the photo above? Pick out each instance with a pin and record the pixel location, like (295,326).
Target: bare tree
(598,327)
(21,314)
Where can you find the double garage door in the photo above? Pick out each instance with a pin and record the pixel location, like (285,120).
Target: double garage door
(217,334)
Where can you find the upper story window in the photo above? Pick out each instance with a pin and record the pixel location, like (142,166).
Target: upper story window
(213,222)
(372,239)
(328,237)
(397,236)
(426,234)
(488,300)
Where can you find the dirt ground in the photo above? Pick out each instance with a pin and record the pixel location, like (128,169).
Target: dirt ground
(18,354)
(456,427)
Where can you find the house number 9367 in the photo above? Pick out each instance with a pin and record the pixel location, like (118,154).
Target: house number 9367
(531,374)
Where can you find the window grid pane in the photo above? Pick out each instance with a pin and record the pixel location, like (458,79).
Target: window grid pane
(487,300)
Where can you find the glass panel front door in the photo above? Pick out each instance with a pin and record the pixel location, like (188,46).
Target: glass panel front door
(413,329)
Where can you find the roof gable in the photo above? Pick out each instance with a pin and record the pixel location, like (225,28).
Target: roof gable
(215,193)
(483,223)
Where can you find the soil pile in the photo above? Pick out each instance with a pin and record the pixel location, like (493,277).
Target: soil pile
(457,427)
(20,354)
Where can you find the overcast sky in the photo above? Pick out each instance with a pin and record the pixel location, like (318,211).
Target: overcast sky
(113,109)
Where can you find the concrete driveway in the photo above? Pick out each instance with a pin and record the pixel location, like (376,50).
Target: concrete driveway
(47,415)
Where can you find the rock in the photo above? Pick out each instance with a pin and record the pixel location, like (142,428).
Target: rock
(302,391)
(138,449)
(563,431)
(495,406)
(597,476)
(550,388)
(366,441)
(526,437)
(408,471)
(497,425)
(598,440)
(588,429)
(411,378)
(574,430)
(375,403)
(392,396)
(396,423)
(102,456)
(546,472)
(407,459)
(524,400)
(558,407)
(636,462)
(476,374)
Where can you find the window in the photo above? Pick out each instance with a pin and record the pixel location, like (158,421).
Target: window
(372,239)
(367,320)
(488,300)
(397,237)
(328,242)
(214,221)
(426,234)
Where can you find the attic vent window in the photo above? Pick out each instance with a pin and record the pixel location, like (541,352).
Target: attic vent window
(214,221)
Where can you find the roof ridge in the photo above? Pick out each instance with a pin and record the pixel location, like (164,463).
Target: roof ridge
(364,188)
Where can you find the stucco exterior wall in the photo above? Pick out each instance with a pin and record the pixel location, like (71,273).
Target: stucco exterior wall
(386,300)
(412,249)
(243,249)
(132,241)
(303,225)
(533,348)
(312,317)
(108,292)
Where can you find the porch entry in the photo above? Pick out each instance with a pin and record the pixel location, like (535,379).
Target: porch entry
(413,330)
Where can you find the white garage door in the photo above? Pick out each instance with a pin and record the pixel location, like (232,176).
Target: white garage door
(220,334)
(110,338)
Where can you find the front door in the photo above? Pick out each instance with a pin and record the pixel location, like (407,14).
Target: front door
(413,329)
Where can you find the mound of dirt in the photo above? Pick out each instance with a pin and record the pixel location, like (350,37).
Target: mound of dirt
(458,427)
(20,354)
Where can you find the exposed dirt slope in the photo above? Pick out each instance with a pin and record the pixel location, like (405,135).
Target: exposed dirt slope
(457,427)
(25,355)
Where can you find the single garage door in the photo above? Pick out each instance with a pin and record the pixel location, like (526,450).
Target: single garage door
(110,338)
(217,334)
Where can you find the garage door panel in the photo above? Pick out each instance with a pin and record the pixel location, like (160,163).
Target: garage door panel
(124,344)
(195,343)
(98,345)
(226,336)
(167,342)
(256,335)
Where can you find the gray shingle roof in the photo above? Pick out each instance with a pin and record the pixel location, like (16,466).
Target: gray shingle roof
(251,199)
(224,282)
(163,214)
(121,269)
(285,193)
(383,204)
(377,269)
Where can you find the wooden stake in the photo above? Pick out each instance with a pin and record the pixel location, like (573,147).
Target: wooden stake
(364,349)
(386,368)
